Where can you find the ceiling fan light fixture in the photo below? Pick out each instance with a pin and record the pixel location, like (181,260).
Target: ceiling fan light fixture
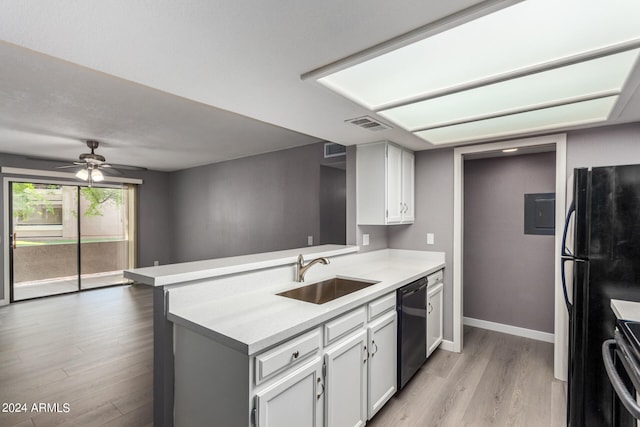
(96,175)
(83,174)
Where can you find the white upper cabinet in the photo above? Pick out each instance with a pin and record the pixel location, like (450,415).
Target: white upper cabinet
(385,184)
(408,186)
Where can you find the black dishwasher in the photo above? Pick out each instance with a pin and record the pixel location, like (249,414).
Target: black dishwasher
(412,329)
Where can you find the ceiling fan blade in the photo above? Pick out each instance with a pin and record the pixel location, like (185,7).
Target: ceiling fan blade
(106,166)
(111,171)
(128,167)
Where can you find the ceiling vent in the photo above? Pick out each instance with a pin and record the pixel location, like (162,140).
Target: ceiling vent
(369,123)
(331,149)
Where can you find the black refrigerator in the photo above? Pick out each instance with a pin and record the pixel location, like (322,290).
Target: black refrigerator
(606,265)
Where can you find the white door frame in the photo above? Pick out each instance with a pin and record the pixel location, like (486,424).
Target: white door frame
(560,315)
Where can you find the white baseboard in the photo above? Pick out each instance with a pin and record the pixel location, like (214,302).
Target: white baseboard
(511,330)
(4,302)
(447,345)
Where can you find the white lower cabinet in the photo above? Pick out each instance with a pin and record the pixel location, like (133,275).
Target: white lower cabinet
(346,382)
(337,374)
(295,400)
(382,337)
(434,317)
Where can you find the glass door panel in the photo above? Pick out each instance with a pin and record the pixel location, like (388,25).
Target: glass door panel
(104,236)
(44,239)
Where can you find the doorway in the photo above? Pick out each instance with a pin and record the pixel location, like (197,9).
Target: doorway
(560,316)
(68,238)
(510,288)
(333,205)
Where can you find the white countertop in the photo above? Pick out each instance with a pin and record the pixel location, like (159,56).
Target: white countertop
(626,310)
(244,312)
(170,274)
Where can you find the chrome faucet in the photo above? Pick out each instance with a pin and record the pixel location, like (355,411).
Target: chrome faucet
(301,268)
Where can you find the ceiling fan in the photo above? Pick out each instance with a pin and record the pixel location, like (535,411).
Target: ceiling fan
(93,164)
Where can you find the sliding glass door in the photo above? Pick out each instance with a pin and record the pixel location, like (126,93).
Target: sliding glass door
(44,240)
(67,238)
(104,237)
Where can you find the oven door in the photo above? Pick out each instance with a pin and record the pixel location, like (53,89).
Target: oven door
(623,370)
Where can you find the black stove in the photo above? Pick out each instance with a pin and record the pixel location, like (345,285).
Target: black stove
(630,330)
(621,357)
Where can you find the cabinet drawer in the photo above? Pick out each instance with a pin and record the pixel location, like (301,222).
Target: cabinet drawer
(343,325)
(381,305)
(434,278)
(286,355)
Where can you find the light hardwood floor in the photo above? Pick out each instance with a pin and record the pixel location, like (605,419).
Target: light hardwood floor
(498,380)
(94,351)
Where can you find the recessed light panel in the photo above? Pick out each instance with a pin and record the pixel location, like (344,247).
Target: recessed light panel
(527,34)
(595,78)
(535,65)
(575,114)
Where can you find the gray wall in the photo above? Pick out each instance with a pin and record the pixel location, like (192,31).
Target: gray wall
(607,146)
(508,275)
(154,222)
(254,204)
(434,214)
(333,205)
(153,226)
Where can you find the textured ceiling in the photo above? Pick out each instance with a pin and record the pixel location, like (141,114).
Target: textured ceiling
(171,85)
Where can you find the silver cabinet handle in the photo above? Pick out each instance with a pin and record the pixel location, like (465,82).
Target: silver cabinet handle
(296,354)
(373,353)
(627,400)
(322,391)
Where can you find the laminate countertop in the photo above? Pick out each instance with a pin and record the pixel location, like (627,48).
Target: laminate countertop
(626,310)
(171,274)
(243,311)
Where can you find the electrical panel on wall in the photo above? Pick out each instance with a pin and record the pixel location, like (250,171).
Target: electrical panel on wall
(539,213)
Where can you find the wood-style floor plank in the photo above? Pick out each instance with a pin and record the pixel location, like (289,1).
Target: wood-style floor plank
(92,351)
(498,380)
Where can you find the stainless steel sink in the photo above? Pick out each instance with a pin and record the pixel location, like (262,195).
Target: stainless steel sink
(327,290)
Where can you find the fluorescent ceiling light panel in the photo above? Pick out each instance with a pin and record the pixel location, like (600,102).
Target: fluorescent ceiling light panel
(575,114)
(597,77)
(528,34)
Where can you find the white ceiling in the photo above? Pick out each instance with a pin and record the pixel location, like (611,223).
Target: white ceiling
(171,85)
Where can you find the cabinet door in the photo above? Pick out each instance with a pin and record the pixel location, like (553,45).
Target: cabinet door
(383,351)
(346,382)
(434,317)
(295,400)
(408,189)
(394,184)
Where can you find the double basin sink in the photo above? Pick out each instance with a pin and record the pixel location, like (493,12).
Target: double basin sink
(327,290)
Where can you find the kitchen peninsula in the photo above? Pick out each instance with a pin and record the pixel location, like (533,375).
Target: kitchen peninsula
(237,343)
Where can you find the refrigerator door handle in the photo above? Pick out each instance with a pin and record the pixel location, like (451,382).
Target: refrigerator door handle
(564,285)
(572,210)
(566,256)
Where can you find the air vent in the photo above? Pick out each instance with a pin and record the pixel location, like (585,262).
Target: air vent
(369,123)
(332,149)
